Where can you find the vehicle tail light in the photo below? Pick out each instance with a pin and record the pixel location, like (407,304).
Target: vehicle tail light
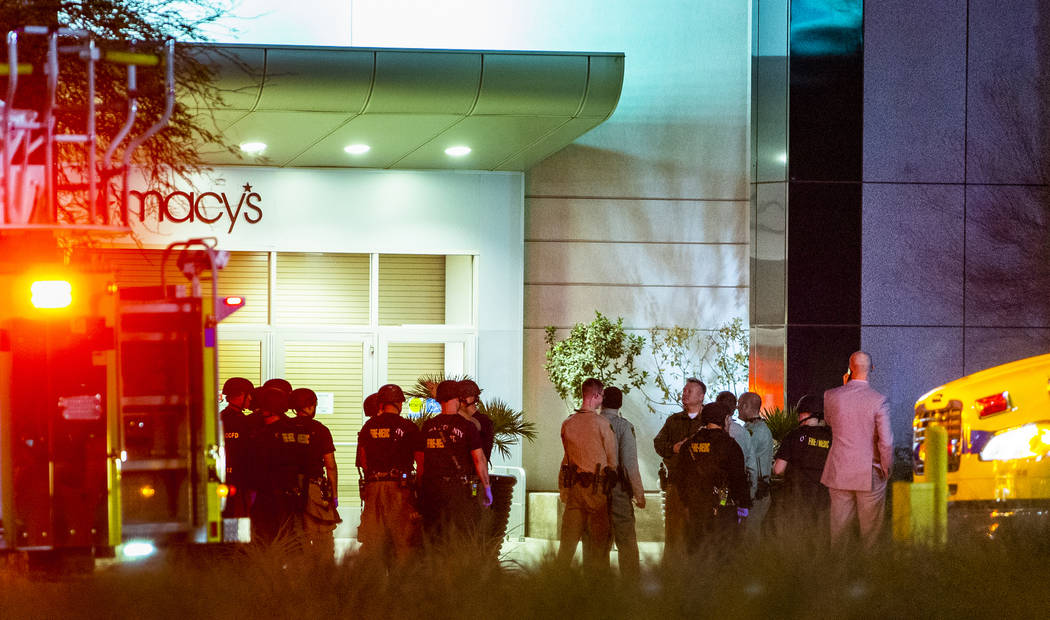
(996,403)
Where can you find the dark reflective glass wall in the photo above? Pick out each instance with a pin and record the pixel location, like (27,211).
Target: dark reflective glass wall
(807,120)
(769,193)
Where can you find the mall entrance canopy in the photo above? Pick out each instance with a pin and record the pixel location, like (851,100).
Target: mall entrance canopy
(308,104)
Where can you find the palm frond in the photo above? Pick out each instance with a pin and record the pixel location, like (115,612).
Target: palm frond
(426,385)
(780,421)
(508,423)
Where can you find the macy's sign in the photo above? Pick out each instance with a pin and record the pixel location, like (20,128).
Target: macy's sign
(207,207)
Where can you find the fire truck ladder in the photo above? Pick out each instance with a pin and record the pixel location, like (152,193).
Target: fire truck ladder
(24,131)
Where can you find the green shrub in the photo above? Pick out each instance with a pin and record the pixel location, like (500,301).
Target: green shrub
(780,421)
(599,349)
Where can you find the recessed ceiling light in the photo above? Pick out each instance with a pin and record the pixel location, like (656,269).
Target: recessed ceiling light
(357,149)
(253,148)
(457,151)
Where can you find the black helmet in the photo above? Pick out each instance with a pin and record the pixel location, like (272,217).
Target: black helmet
(447,390)
(390,393)
(371,406)
(715,413)
(280,384)
(301,398)
(468,388)
(237,385)
(270,400)
(813,405)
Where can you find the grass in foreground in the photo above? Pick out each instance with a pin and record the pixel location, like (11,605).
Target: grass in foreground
(793,575)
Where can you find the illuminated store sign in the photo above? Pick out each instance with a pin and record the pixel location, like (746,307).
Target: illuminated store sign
(207,207)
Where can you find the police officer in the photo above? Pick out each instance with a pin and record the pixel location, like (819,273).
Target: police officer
(801,457)
(235,430)
(628,487)
(453,471)
(588,466)
(470,400)
(714,485)
(390,525)
(275,469)
(317,468)
(668,443)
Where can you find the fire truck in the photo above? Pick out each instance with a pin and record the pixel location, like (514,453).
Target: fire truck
(109,429)
(998,426)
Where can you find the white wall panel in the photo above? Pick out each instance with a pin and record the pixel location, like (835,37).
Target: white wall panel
(640,307)
(635,264)
(554,219)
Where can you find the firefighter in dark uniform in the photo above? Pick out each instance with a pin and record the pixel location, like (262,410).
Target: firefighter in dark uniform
(469,403)
(317,469)
(235,430)
(257,417)
(715,488)
(454,481)
(390,525)
(370,407)
(803,499)
(280,384)
(275,472)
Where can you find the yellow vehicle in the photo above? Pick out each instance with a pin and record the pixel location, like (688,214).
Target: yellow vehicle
(998,423)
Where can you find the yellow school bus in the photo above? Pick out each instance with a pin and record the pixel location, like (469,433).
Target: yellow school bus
(998,424)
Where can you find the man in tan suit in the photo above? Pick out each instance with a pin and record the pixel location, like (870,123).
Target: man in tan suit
(861,457)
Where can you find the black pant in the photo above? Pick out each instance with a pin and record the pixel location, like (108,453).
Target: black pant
(449,509)
(275,515)
(703,525)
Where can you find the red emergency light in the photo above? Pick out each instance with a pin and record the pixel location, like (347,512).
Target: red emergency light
(996,403)
(228,305)
(51,294)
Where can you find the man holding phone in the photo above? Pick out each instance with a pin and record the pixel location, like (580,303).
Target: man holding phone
(861,457)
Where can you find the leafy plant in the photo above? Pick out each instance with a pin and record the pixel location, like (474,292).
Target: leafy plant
(720,359)
(676,355)
(732,353)
(508,423)
(780,421)
(426,385)
(599,349)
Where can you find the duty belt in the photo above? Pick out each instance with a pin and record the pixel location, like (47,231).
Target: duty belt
(601,479)
(451,479)
(386,476)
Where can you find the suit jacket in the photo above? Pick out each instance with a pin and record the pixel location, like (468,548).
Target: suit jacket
(860,423)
